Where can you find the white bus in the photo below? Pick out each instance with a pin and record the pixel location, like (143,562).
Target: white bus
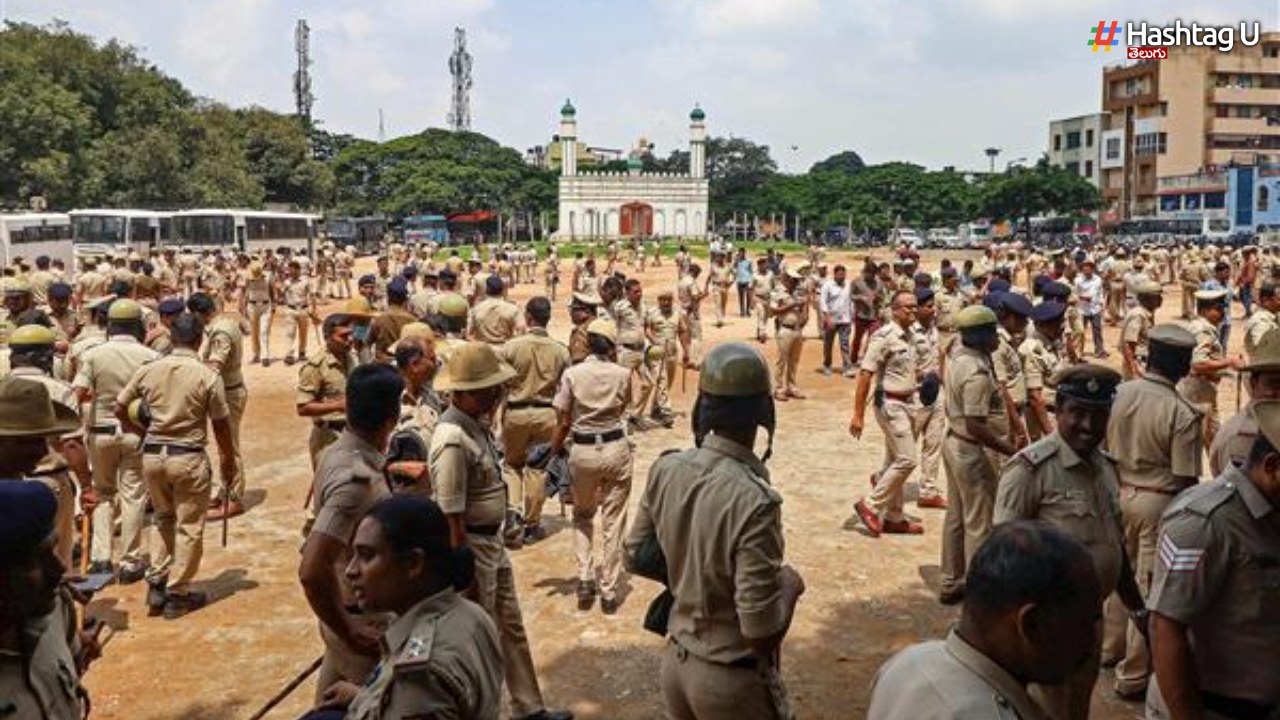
(99,232)
(30,235)
(245,231)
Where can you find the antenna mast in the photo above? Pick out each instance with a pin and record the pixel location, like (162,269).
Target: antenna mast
(460,69)
(302,77)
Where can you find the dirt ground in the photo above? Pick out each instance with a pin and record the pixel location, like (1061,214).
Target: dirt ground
(866,597)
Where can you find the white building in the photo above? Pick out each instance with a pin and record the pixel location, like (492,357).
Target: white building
(633,203)
(1076,144)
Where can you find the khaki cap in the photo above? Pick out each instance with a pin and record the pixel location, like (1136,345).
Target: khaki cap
(473,366)
(1264,357)
(124,310)
(452,305)
(975,316)
(358,307)
(27,411)
(603,327)
(414,330)
(33,336)
(1210,295)
(1267,413)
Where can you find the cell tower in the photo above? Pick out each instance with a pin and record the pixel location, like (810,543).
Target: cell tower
(460,69)
(302,77)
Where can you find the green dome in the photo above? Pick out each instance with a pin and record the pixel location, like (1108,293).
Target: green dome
(697,114)
(568,109)
(635,163)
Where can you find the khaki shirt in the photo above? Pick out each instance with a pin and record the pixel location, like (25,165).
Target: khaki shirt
(688,296)
(182,394)
(762,285)
(466,470)
(68,324)
(928,342)
(630,322)
(297,294)
(161,340)
(347,483)
(91,285)
(1047,480)
(1232,442)
(1137,323)
(949,303)
(420,415)
(539,362)
(1219,573)
(1008,366)
(324,377)
(666,329)
(948,680)
(223,350)
(719,524)
(595,392)
(792,319)
(440,659)
(384,331)
(1041,360)
(579,347)
(495,321)
(423,302)
(105,369)
(1154,434)
(1200,389)
(42,682)
(971,389)
(257,289)
(891,357)
(39,282)
(1261,322)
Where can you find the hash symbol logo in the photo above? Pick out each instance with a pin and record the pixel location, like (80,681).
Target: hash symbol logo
(1104,36)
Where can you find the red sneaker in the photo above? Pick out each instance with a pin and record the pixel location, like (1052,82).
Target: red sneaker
(868,518)
(903,527)
(937,502)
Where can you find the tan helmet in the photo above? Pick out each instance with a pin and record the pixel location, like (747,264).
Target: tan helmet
(32,336)
(605,328)
(473,366)
(27,411)
(139,413)
(123,310)
(734,369)
(452,305)
(655,354)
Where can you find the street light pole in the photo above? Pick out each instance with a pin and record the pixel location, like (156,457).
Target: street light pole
(992,152)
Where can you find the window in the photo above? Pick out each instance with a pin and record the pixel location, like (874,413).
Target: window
(1222,111)
(1088,138)
(1264,197)
(1170,203)
(1113,149)
(1271,50)
(1073,168)
(1057,143)
(1150,144)
(1243,111)
(1215,200)
(1073,140)
(1192,202)
(202,230)
(139,230)
(1088,169)
(1130,87)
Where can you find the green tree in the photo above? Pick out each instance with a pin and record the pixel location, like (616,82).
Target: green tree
(1022,193)
(847,162)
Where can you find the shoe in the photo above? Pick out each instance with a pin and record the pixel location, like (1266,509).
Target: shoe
(266,362)
(780,397)
(101,567)
(796,394)
(868,518)
(951,597)
(288,360)
(826,372)
(850,373)
(156,597)
(902,527)
(534,533)
(255,360)
(937,502)
(609,606)
(178,605)
(1132,695)
(302,357)
(549,715)
(231,509)
(131,575)
(586,594)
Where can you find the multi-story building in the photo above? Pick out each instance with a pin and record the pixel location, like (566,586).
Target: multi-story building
(1074,144)
(1187,116)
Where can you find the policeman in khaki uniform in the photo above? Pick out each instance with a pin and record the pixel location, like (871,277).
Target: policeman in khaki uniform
(789,307)
(1137,324)
(1067,480)
(762,286)
(495,319)
(182,396)
(384,331)
(1215,597)
(223,352)
(582,310)
(891,361)
(591,403)
(322,385)
(420,409)
(257,304)
(1264,319)
(1208,361)
(466,476)
(930,419)
(709,526)
(627,313)
(1154,437)
(949,300)
(1042,357)
(530,417)
(115,453)
(299,298)
(1236,436)
(972,400)
(667,330)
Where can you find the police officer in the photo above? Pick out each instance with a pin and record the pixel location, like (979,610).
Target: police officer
(667,331)
(183,396)
(930,419)
(627,311)
(420,409)
(297,293)
(1208,361)
(1215,619)
(466,475)
(495,319)
(591,403)
(322,385)
(891,361)
(972,400)
(223,352)
(1028,616)
(114,452)
(690,297)
(1154,437)
(1137,323)
(384,330)
(257,305)
(700,508)
(1236,436)
(1066,480)
(1012,312)
(582,311)
(530,417)
(789,307)
(1264,319)
(1042,358)
(158,338)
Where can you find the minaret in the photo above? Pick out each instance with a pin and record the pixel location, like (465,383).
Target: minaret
(568,140)
(697,143)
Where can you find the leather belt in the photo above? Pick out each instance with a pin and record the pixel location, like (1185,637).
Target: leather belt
(237,386)
(598,438)
(633,346)
(104,430)
(487,530)
(1238,708)
(1158,491)
(334,425)
(789,327)
(529,404)
(169,449)
(900,397)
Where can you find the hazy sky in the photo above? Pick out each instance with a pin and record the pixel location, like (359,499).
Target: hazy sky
(928,81)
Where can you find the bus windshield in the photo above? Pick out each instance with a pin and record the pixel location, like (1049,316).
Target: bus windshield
(98,229)
(340,228)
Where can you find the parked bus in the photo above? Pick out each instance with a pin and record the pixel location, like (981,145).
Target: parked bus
(426,228)
(100,232)
(30,235)
(362,233)
(248,231)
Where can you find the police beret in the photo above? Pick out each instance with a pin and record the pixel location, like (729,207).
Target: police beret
(493,285)
(61,291)
(923,278)
(368,280)
(924,295)
(398,287)
(993,300)
(27,521)
(975,316)
(1056,289)
(998,285)
(171,306)
(1047,312)
(448,276)
(1039,283)
(1172,335)
(1093,384)
(1015,303)
(409,272)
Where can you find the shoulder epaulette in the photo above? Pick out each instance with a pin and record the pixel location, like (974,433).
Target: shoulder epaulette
(1036,453)
(416,655)
(1209,497)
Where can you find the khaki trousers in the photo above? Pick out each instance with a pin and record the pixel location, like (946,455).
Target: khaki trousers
(237,399)
(295,327)
(664,372)
(496,588)
(320,438)
(526,486)
(601,474)
(1069,700)
(790,343)
(719,297)
(971,499)
(900,458)
(930,427)
(641,381)
(694,319)
(64,520)
(1141,511)
(117,476)
(341,661)
(260,314)
(762,317)
(695,689)
(179,487)
(1189,300)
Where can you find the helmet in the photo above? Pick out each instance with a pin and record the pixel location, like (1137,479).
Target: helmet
(452,305)
(139,413)
(32,336)
(734,370)
(124,309)
(605,328)
(655,354)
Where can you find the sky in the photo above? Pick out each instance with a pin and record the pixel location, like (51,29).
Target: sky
(932,82)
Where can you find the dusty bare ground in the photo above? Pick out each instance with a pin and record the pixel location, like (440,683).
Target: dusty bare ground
(866,597)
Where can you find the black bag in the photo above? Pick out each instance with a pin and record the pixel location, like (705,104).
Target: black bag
(930,387)
(659,613)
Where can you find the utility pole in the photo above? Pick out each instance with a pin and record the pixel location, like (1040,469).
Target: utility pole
(382,127)
(303,99)
(992,152)
(460,69)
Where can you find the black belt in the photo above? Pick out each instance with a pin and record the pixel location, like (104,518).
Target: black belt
(488,530)
(529,404)
(598,438)
(334,425)
(633,346)
(237,386)
(1238,708)
(170,450)
(104,430)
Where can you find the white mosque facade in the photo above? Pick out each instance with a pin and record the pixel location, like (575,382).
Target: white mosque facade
(608,205)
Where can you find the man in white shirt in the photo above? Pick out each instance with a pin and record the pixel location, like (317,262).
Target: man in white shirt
(1089,290)
(836,306)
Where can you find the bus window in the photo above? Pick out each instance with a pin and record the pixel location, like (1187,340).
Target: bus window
(140,231)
